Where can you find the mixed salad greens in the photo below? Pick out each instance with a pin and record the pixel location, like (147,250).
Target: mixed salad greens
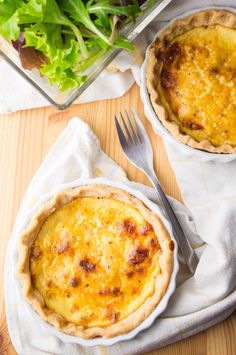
(62,38)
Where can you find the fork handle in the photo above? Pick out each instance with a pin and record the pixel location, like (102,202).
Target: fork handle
(188,252)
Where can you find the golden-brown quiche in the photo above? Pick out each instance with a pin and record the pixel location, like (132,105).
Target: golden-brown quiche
(191,80)
(95,261)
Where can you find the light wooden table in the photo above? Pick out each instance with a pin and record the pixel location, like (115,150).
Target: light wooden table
(25,138)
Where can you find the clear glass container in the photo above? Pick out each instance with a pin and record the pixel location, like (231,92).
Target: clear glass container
(62,100)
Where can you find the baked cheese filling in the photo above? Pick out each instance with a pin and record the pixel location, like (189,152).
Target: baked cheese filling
(198,83)
(95,261)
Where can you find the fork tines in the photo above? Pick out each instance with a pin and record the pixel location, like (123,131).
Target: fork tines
(129,134)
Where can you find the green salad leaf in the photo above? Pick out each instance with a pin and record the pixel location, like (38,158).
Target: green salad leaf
(68,35)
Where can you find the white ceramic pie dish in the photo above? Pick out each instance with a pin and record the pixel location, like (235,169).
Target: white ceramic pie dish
(157,311)
(185,150)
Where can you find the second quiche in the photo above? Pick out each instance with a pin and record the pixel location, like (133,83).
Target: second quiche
(191,79)
(95,261)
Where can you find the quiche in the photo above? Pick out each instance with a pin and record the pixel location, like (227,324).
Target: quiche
(95,261)
(191,80)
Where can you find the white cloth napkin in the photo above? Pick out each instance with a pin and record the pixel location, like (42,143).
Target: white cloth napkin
(17,94)
(198,302)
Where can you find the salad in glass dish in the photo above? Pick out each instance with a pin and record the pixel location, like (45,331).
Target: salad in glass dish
(61,46)
(63,38)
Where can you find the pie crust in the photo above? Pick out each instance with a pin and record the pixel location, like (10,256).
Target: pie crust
(34,297)
(179,27)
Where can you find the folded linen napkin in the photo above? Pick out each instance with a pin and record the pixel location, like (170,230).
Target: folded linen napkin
(199,301)
(13,98)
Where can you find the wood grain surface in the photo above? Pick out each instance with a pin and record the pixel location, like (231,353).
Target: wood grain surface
(25,138)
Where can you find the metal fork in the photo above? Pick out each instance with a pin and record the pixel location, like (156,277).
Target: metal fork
(137,147)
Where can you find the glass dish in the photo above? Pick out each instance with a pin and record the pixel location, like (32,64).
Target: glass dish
(62,100)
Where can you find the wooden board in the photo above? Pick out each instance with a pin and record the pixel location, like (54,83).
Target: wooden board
(25,138)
